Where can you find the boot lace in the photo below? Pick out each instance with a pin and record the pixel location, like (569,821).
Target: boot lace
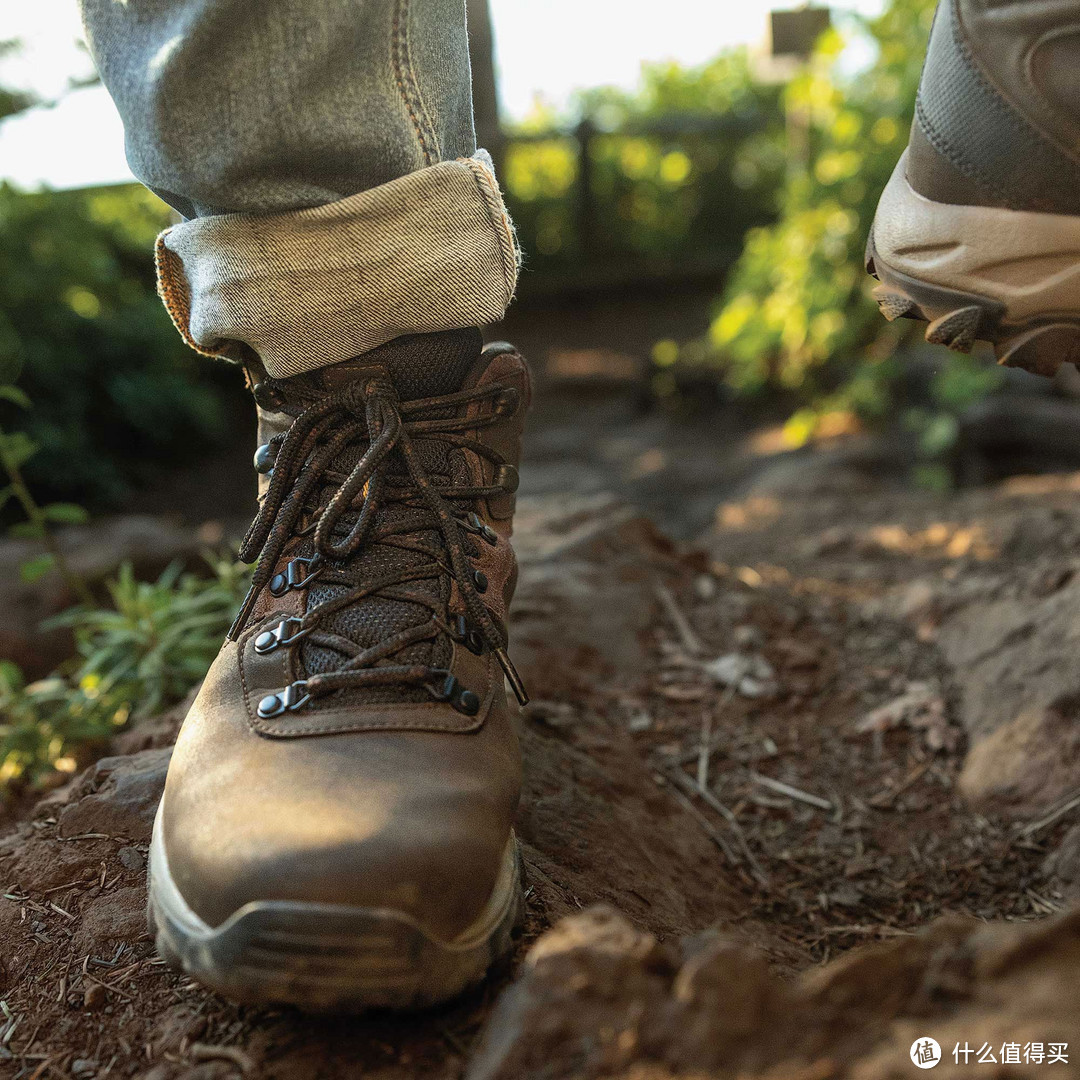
(310,495)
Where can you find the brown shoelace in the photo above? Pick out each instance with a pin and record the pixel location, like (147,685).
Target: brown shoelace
(367,412)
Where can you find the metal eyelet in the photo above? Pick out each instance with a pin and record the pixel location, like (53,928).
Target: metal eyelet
(450,690)
(468,635)
(475,525)
(269,640)
(265,457)
(507,478)
(507,401)
(480,581)
(267,397)
(290,699)
(293,576)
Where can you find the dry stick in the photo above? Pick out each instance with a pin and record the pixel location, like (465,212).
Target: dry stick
(203,1052)
(703,821)
(705,746)
(791,792)
(703,752)
(1060,810)
(691,642)
(884,799)
(682,780)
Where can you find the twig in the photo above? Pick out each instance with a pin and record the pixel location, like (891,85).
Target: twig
(1063,806)
(691,642)
(203,1052)
(704,822)
(682,780)
(705,746)
(703,751)
(791,792)
(884,799)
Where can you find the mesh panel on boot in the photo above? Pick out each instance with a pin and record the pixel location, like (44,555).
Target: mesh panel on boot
(420,368)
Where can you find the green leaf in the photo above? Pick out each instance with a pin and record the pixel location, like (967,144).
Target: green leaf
(17,448)
(11,676)
(27,530)
(34,569)
(15,396)
(65,514)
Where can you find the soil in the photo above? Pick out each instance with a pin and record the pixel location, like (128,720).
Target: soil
(758,766)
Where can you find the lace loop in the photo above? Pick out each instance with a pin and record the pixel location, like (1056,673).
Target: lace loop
(367,412)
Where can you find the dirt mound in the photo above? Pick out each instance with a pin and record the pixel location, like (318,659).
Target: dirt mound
(769,740)
(599,998)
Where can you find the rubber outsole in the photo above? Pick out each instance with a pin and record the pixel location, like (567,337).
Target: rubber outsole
(329,957)
(959,319)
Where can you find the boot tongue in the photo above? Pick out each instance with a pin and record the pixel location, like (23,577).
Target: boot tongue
(419,365)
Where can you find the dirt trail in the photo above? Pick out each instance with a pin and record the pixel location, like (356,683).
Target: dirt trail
(854,791)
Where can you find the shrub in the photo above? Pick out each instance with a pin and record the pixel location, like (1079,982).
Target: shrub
(797,317)
(116,391)
(135,658)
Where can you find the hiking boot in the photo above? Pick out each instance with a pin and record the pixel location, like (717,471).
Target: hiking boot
(335,831)
(978,231)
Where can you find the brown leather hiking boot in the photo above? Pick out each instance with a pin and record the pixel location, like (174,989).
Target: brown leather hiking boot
(336,825)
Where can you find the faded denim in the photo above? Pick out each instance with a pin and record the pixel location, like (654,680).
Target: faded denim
(242,113)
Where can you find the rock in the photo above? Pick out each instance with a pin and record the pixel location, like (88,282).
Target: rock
(1013,661)
(119,797)
(118,915)
(131,858)
(750,674)
(597,998)
(94,997)
(747,636)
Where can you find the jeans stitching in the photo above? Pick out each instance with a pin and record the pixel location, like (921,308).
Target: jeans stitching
(399,47)
(500,220)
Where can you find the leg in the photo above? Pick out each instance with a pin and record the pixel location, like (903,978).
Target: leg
(336,828)
(325,156)
(241,105)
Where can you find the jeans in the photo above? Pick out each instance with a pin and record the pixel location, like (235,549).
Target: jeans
(323,154)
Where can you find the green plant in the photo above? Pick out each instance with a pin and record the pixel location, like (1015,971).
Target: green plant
(677,171)
(16,449)
(116,392)
(797,318)
(135,658)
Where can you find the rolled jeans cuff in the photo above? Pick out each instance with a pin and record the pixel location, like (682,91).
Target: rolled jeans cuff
(432,250)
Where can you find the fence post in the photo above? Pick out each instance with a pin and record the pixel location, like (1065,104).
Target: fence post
(586,217)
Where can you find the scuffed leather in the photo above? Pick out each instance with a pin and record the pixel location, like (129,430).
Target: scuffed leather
(404,806)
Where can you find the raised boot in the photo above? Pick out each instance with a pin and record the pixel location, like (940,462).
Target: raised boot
(336,827)
(978,231)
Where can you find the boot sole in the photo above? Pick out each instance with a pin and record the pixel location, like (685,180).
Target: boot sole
(329,957)
(975,273)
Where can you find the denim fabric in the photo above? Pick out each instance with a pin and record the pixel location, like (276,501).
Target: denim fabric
(323,153)
(260,106)
(433,250)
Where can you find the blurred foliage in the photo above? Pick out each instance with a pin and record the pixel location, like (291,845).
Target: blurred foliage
(115,389)
(797,317)
(16,450)
(675,172)
(135,658)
